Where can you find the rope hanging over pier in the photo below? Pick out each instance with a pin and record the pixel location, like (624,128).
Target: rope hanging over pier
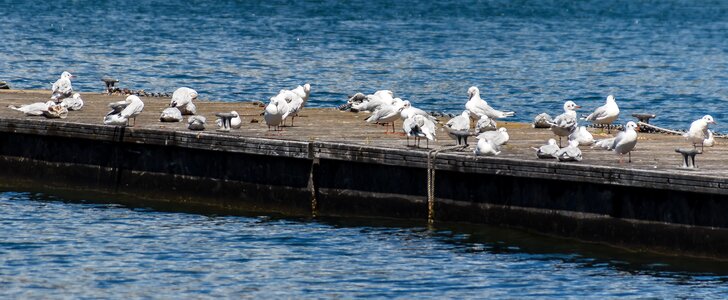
(431,155)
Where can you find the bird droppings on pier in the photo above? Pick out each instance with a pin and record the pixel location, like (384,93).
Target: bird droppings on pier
(653,151)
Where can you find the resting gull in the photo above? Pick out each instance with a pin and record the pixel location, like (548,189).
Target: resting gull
(486,147)
(570,152)
(583,136)
(171,114)
(547,151)
(73,103)
(498,137)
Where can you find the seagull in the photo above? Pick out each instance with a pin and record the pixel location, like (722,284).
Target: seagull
(373,102)
(570,152)
(542,120)
(565,123)
(386,114)
(583,136)
(73,103)
(235,122)
(458,128)
(486,147)
(274,113)
(498,137)
(171,114)
(419,126)
(547,151)
(604,144)
(196,123)
(710,141)
(479,107)
(62,88)
(605,114)
(485,124)
(182,100)
(409,111)
(122,111)
(699,132)
(294,104)
(33,109)
(303,91)
(625,141)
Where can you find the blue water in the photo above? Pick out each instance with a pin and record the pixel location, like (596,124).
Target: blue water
(51,248)
(665,57)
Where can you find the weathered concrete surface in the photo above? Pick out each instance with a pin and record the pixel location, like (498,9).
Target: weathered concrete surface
(333,163)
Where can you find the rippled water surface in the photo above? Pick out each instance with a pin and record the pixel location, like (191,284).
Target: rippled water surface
(51,248)
(666,57)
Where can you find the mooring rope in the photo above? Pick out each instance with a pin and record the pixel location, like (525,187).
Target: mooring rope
(431,155)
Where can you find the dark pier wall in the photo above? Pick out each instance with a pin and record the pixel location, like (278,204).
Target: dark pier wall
(653,210)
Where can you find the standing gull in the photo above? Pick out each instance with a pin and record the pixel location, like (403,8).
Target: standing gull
(479,107)
(303,91)
(386,114)
(409,111)
(62,88)
(419,126)
(565,123)
(294,103)
(122,111)
(458,128)
(274,111)
(699,132)
(625,141)
(605,114)
(182,100)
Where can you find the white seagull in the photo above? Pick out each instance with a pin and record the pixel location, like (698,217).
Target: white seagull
(570,152)
(62,88)
(122,111)
(547,151)
(479,107)
(274,111)
(485,124)
(386,114)
(565,123)
(486,147)
(182,100)
(73,103)
(171,114)
(196,123)
(698,132)
(582,135)
(605,114)
(419,126)
(458,128)
(33,109)
(498,137)
(625,141)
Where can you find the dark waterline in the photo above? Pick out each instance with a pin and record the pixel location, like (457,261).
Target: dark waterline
(53,246)
(665,57)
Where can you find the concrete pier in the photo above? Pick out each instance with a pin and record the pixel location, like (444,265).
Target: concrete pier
(332,163)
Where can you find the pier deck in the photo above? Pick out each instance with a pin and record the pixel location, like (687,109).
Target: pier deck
(654,152)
